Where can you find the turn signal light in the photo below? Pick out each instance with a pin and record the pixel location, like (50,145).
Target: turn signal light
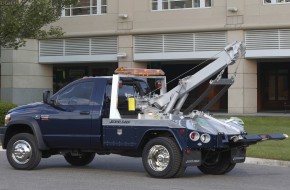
(7,119)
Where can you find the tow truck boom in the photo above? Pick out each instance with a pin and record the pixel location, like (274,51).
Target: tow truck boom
(227,57)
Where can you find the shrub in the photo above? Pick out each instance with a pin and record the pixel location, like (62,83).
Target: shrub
(4,108)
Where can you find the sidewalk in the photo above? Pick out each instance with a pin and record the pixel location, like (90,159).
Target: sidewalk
(267,162)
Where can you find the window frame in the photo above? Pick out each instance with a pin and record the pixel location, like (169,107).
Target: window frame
(159,5)
(275,2)
(98,5)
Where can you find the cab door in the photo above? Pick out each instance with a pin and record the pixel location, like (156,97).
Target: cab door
(68,123)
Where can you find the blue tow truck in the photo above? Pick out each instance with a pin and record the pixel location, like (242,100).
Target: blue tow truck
(119,115)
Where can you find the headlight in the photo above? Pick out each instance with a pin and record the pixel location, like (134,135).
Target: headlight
(7,118)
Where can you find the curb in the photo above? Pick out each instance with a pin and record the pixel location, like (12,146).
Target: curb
(267,162)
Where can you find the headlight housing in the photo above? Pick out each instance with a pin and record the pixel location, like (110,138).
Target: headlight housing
(7,118)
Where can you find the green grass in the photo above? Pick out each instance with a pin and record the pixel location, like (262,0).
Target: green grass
(278,150)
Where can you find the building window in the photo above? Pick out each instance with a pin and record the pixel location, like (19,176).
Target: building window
(276,1)
(159,5)
(86,7)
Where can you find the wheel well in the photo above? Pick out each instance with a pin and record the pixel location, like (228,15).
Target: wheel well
(16,129)
(153,134)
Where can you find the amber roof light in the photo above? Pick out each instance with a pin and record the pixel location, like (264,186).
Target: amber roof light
(139,71)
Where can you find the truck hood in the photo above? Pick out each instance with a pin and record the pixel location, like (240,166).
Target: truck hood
(25,107)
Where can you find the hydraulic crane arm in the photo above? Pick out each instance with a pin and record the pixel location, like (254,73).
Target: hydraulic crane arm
(228,57)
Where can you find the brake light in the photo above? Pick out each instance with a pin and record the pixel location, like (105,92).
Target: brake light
(194,136)
(158,84)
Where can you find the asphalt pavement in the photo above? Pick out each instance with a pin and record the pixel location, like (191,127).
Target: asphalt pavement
(118,173)
(257,161)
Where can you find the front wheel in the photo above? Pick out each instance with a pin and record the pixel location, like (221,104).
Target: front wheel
(162,158)
(22,152)
(217,163)
(82,159)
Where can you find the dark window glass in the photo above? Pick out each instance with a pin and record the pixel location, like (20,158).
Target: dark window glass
(78,94)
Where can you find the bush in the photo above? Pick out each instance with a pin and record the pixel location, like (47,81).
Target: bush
(4,108)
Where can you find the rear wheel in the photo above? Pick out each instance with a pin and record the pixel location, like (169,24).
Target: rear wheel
(22,152)
(82,159)
(162,158)
(180,172)
(217,164)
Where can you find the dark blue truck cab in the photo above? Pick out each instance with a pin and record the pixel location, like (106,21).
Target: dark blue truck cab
(69,122)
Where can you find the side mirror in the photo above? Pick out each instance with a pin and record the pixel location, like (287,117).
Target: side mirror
(46,97)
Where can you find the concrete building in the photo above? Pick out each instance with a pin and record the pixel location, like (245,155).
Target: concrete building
(174,35)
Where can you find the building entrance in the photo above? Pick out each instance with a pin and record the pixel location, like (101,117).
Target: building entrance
(273,86)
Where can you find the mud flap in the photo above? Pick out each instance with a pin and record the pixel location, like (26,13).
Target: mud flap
(192,158)
(238,155)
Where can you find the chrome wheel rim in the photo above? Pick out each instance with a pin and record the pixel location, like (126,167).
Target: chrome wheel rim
(158,158)
(21,152)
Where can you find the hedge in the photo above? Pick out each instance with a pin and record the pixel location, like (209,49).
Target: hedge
(4,108)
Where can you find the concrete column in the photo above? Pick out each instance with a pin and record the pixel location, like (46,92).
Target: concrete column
(242,96)
(125,43)
(23,79)
(125,16)
(125,39)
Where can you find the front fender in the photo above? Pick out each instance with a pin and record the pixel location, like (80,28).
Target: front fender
(33,125)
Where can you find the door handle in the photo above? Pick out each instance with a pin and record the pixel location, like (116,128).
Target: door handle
(85,113)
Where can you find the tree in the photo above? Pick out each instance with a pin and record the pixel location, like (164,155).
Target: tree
(26,19)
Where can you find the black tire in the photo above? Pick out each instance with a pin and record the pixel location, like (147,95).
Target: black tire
(81,160)
(217,164)
(169,155)
(180,172)
(22,152)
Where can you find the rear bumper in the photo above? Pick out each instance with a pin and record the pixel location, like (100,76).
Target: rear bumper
(2,134)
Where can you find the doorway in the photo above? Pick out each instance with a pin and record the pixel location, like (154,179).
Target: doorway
(273,86)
